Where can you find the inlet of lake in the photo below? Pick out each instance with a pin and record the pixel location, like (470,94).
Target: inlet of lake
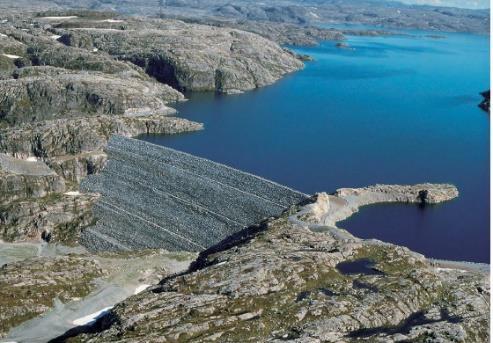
(398,109)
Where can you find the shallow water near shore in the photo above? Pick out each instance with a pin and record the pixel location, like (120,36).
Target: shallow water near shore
(396,109)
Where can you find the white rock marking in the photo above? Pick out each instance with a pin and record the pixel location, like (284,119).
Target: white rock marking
(141,288)
(91,318)
(60,18)
(14,57)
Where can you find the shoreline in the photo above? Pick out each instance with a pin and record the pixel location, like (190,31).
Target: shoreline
(315,216)
(325,214)
(312,226)
(461,265)
(345,202)
(339,206)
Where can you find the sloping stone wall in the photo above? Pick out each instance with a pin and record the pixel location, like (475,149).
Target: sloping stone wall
(156,197)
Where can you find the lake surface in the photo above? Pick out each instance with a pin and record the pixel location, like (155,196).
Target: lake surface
(397,109)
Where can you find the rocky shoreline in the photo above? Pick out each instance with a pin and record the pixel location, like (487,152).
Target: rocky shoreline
(288,280)
(285,272)
(485,104)
(347,201)
(70,82)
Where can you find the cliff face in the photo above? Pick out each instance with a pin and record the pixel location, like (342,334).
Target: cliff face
(34,203)
(59,138)
(44,96)
(22,179)
(294,279)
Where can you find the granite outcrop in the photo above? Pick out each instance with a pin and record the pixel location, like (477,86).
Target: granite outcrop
(294,279)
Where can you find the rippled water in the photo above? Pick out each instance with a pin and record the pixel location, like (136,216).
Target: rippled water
(399,109)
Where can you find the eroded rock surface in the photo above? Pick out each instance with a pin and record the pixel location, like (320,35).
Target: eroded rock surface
(35,203)
(347,201)
(54,218)
(190,56)
(281,33)
(422,193)
(27,179)
(288,280)
(45,97)
(62,137)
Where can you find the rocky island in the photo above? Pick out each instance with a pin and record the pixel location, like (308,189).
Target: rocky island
(485,104)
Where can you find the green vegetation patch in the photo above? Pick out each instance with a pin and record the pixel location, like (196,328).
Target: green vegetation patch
(28,288)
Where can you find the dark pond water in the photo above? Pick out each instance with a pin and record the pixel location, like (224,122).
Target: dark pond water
(361,266)
(399,109)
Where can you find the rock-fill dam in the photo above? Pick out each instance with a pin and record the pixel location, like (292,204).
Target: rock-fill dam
(156,197)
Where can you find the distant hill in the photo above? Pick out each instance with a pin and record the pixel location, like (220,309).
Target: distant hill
(474,4)
(394,14)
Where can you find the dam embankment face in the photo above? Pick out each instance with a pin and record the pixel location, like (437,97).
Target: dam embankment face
(156,197)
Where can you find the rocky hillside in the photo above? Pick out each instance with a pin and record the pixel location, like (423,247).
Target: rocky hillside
(294,279)
(45,93)
(188,57)
(390,14)
(70,82)
(28,288)
(66,285)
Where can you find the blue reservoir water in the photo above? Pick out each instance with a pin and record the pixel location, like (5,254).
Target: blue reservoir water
(399,109)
